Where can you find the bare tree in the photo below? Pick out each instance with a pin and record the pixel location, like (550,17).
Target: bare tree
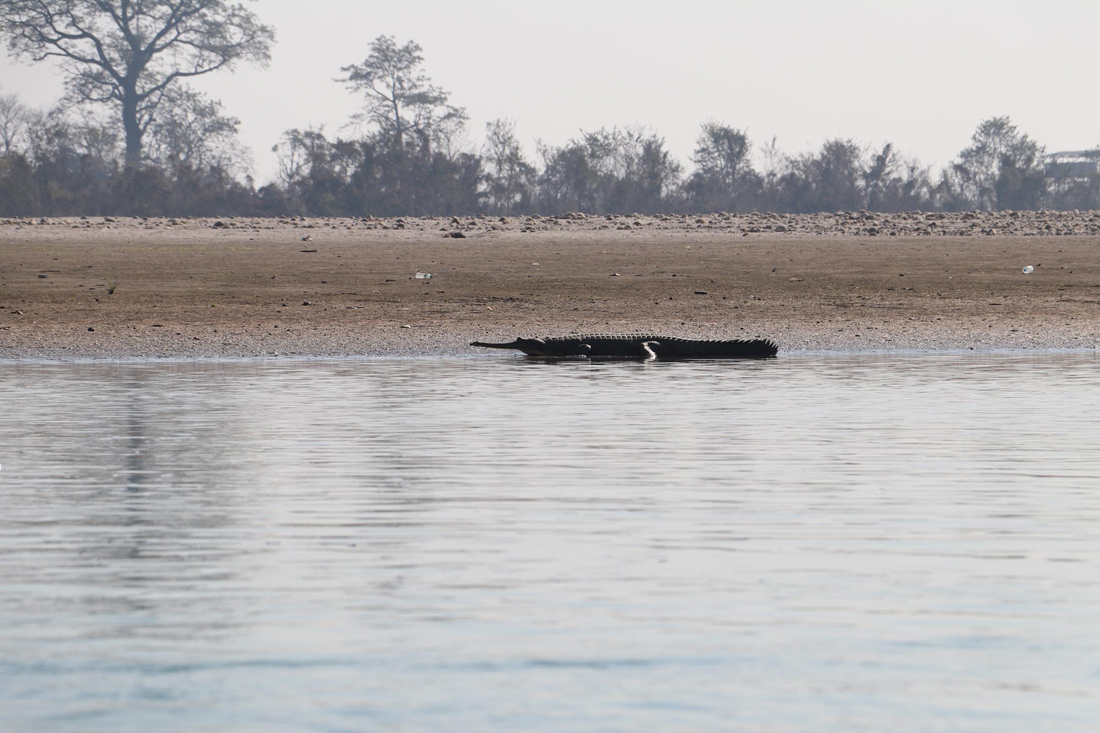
(298,151)
(14,116)
(129,53)
(776,163)
(508,176)
(400,98)
(192,130)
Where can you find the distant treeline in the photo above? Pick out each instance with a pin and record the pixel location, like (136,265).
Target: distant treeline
(407,156)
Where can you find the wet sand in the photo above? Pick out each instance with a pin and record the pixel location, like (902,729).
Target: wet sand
(334,287)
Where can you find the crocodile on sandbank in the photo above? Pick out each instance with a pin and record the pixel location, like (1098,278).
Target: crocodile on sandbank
(640,347)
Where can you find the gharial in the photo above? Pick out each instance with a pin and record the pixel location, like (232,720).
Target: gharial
(641,347)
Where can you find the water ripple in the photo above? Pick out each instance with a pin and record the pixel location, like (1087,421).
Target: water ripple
(809,543)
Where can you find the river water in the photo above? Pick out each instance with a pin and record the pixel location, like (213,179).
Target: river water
(811,543)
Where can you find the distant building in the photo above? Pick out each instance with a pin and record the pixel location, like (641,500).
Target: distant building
(1073,164)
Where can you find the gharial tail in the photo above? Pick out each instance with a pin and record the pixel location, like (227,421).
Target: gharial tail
(512,345)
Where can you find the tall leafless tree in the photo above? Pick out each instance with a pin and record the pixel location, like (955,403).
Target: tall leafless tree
(129,53)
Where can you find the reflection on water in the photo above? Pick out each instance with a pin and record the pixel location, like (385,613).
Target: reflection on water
(804,544)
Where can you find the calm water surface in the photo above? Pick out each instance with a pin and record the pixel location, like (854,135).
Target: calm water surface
(806,544)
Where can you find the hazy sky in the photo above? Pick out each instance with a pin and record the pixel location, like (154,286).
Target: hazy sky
(919,74)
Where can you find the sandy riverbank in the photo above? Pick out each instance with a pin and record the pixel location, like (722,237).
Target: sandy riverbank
(253,287)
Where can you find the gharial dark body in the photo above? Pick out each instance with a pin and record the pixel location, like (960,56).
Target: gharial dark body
(642,347)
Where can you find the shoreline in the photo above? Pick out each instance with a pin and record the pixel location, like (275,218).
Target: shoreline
(247,288)
(901,354)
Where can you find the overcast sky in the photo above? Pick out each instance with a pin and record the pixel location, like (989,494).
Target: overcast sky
(919,74)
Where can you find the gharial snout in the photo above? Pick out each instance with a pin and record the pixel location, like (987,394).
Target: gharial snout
(512,345)
(530,347)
